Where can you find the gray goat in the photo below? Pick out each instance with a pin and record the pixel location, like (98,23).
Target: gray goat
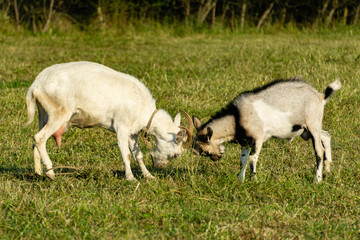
(282,109)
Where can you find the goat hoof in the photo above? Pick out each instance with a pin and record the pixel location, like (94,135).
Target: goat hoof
(327,168)
(318,179)
(131,179)
(50,174)
(241,177)
(253,177)
(38,171)
(149,176)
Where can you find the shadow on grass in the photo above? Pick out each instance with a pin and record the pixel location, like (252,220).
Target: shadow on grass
(28,173)
(21,173)
(159,172)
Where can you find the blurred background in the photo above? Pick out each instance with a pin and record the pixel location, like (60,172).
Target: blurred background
(237,15)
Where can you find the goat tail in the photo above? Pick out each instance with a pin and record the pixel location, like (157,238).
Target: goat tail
(334,86)
(31,105)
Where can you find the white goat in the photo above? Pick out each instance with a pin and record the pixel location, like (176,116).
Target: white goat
(86,94)
(281,109)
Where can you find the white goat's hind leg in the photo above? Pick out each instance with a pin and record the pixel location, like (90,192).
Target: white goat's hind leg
(40,144)
(123,143)
(37,163)
(244,160)
(134,148)
(326,141)
(43,118)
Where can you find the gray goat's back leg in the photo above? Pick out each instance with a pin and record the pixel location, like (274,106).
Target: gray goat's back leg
(254,158)
(319,153)
(137,154)
(326,141)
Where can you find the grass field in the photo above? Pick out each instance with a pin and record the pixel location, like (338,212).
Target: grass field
(193,198)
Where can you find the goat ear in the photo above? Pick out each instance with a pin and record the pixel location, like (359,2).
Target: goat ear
(209,133)
(197,123)
(180,136)
(177,119)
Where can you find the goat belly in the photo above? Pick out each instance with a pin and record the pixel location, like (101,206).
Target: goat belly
(84,119)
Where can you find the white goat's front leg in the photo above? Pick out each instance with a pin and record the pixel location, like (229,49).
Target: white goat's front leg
(135,149)
(326,141)
(244,160)
(123,144)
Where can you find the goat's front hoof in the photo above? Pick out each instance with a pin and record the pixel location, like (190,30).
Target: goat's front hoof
(318,179)
(253,177)
(149,176)
(50,174)
(241,177)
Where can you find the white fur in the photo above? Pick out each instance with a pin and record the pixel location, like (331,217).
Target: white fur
(86,94)
(336,85)
(275,122)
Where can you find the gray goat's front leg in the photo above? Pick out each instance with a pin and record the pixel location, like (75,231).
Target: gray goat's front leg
(254,158)
(135,149)
(326,141)
(244,160)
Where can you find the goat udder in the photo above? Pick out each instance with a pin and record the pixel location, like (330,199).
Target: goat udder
(57,135)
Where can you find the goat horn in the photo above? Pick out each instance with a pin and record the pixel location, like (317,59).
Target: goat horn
(189,133)
(189,130)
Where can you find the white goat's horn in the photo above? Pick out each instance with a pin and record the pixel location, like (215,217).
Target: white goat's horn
(190,128)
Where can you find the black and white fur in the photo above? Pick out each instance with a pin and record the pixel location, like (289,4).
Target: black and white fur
(281,109)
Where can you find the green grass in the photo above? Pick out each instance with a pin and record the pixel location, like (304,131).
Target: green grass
(193,198)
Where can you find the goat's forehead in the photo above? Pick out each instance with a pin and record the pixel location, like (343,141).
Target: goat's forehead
(201,138)
(168,138)
(171,129)
(202,134)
